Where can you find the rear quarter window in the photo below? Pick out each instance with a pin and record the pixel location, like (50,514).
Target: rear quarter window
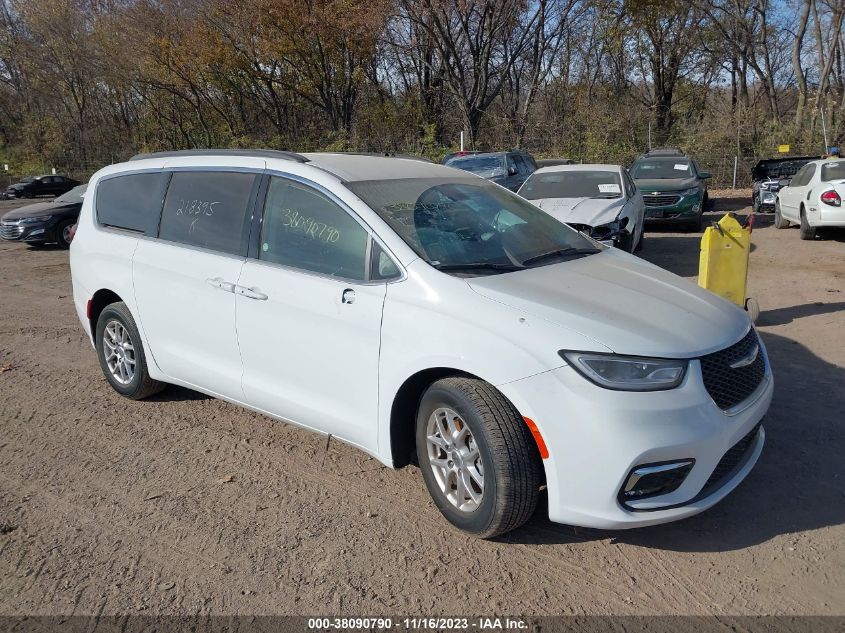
(131,202)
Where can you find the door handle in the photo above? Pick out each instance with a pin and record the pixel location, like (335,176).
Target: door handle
(250,293)
(218,283)
(348,296)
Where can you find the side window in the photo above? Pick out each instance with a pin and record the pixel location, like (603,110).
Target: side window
(808,175)
(798,179)
(304,229)
(131,202)
(511,164)
(382,266)
(209,209)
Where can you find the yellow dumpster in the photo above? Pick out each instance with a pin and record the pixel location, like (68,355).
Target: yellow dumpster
(723,262)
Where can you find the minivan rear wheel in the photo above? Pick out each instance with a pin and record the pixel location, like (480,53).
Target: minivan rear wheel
(478,458)
(121,353)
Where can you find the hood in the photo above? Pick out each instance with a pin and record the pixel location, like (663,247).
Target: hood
(489,174)
(623,303)
(589,211)
(647,185)
(37,209)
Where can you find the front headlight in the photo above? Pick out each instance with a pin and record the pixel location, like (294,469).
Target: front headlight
(40,218)
(693,191)
(627,373)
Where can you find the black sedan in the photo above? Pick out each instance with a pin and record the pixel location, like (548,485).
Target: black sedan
(41,186)
(44,222)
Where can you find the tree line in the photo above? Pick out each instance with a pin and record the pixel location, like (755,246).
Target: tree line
(87,82)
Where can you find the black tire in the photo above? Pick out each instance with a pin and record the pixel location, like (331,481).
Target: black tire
(141,385)
(780,222)
(626,243)
(61,229)
(640,242)
(807,232)
(509,456)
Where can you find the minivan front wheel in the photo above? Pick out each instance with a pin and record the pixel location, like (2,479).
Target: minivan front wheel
(478,458)
(121,353)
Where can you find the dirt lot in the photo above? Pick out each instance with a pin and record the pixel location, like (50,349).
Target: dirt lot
(186,504)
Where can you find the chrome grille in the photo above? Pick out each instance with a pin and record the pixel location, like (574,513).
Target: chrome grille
(727,385)
(11,231)
(661,200)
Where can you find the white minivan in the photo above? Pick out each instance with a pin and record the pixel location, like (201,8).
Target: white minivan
(427,316)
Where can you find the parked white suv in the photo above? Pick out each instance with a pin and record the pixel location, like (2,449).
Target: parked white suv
(424,314)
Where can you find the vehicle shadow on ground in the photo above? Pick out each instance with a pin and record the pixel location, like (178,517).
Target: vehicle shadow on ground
(723,205)
(174,393)
(676,253)
(781,316)
(798,484)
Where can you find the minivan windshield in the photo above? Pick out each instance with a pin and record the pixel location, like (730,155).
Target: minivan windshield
(74,195)
(662,168)
(477,165)
(572,184)
(472,226)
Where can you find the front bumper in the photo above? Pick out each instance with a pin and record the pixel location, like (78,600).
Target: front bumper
(32,232)
(684,209)
(596,437)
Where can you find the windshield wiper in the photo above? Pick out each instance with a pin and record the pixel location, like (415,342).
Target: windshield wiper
(561,252)
(479,266)
(605,196)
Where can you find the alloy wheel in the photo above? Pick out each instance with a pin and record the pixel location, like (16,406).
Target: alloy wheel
(455,459)
(119,352)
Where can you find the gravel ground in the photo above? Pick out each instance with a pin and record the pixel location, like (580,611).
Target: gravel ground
(185,504)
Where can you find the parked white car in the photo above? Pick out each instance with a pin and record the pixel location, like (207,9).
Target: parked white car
(600,200)
(419,312)
(813,198)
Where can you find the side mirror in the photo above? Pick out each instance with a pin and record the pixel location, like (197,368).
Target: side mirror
(705,175)
(511,171)
(784,182)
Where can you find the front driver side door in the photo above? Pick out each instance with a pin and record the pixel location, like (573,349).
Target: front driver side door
(790,197)
(309,315)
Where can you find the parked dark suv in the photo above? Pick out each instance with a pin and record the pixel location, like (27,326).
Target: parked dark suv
(51,221)
(674,188)
(33,186)
(509,169)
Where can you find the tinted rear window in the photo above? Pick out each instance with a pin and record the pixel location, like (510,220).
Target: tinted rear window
(209,209)
(132,201)
(833,170)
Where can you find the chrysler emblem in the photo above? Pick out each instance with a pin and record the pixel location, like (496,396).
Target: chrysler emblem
(747,359)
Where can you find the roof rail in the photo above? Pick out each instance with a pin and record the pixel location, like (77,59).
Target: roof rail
(256,153)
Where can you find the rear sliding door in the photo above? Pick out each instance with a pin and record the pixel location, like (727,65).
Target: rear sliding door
(184,280)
